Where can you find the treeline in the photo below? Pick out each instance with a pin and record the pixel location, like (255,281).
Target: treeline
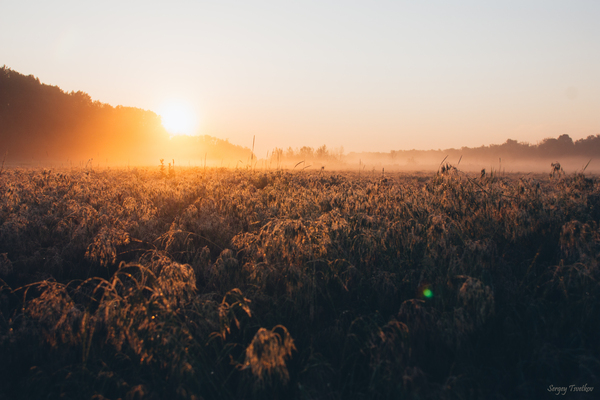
(207,149)
(512,150)
(306,153)
(40,123)
(563,146)
(43,123)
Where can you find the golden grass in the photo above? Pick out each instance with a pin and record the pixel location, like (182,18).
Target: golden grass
(214,283)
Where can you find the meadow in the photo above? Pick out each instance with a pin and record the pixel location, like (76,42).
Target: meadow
(198,283)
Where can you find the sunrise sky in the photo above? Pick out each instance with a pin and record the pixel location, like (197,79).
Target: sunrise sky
(365,75)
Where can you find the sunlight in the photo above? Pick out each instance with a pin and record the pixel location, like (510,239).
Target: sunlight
(178,118)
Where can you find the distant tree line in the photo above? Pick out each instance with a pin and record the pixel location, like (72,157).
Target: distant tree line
(306,153)
(563,146)
(215,151)
(41,123)
(549,148)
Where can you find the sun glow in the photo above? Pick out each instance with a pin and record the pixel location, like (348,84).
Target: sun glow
(179,118)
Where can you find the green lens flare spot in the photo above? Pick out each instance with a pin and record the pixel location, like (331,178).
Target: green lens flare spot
(428,293)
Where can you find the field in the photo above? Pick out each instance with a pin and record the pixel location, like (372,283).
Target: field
(220,284)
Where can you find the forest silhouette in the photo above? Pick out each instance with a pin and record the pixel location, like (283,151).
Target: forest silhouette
(42,124)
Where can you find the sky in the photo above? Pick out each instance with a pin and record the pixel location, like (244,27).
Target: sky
(363,75)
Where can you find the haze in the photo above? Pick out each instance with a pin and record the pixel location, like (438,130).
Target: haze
(369,76)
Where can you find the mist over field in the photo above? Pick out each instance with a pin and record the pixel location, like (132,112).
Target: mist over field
(432,161)
(43,126)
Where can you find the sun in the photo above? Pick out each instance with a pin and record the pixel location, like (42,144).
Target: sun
(179,118)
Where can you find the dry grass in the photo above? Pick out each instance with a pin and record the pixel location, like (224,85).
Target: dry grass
(213,283)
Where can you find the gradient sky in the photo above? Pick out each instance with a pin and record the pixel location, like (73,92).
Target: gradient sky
(365,75)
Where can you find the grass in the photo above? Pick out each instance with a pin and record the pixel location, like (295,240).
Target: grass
(214,283)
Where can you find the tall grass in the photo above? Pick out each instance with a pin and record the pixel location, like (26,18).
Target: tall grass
(214,283)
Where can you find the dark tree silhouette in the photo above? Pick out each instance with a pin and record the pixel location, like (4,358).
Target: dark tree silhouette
(41,123)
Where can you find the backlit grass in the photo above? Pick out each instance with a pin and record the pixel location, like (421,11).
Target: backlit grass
(214,283)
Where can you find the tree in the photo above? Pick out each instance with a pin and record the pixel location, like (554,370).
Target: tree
(289,153)
(306,152)
(322,153)
(556,147)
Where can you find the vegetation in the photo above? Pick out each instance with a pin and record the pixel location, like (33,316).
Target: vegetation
(212,283)
(41,124)
(549,148)
(514,154)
